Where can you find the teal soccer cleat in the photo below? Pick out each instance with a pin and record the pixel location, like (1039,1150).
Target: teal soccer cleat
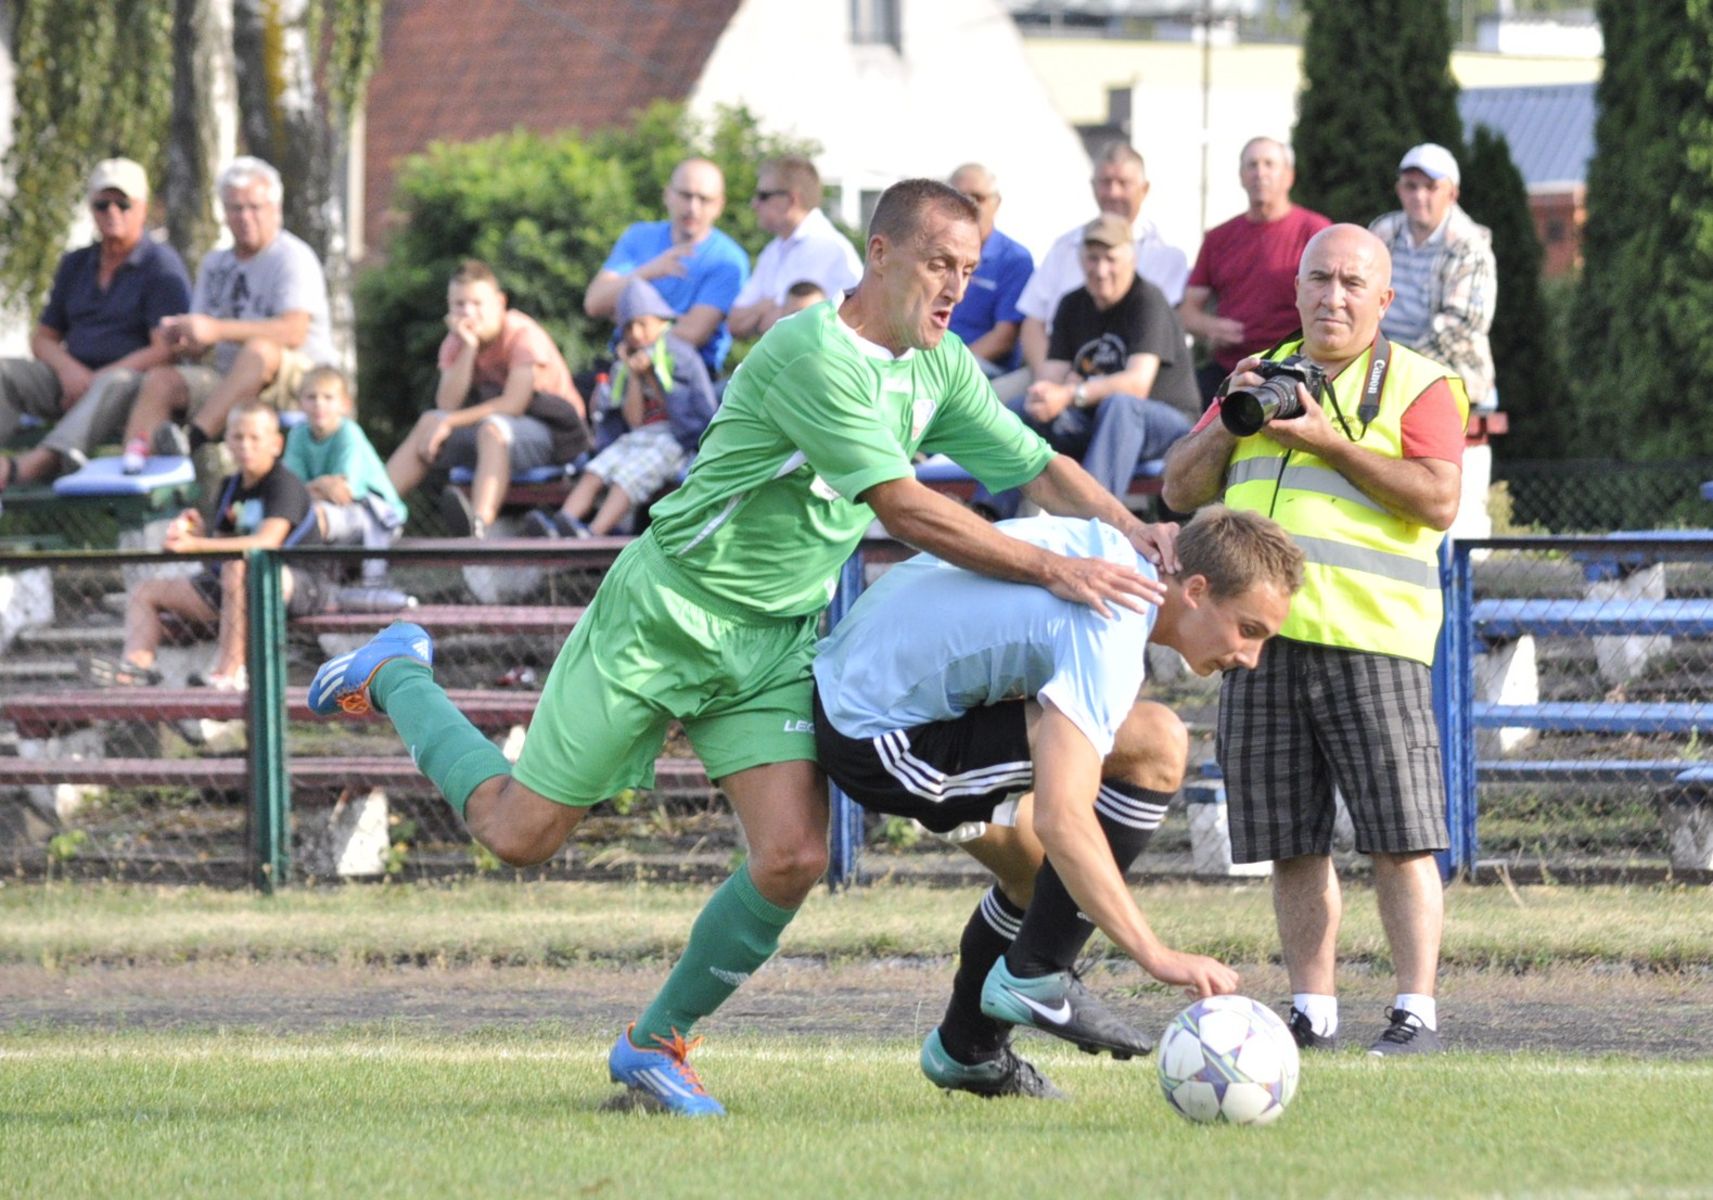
(342,683)
(663,1075)
(1003,1075)
(1059,1004)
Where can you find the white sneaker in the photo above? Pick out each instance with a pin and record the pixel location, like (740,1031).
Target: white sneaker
(136,456)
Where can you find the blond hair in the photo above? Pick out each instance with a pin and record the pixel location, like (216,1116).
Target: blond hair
(1235,550)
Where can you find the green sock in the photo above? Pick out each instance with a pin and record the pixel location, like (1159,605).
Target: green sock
(737,931)
(442,742)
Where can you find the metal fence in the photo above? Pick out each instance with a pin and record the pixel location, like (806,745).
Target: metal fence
(1574,685)
(1575,703)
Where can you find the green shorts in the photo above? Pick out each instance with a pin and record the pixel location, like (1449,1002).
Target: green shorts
(645,653)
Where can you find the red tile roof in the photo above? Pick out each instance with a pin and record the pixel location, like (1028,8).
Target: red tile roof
(457,70)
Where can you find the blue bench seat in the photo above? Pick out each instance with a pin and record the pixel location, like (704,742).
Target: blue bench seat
(106,477)
(1593,618)
(1595,716)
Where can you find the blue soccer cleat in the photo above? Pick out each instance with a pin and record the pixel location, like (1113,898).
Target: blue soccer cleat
(342,683)
(664,1075)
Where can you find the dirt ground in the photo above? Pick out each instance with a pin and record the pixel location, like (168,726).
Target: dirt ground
(1573,1010)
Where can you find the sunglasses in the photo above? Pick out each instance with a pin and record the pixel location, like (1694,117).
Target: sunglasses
(103,205)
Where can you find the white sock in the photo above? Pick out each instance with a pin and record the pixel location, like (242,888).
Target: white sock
(1423,1007)
(1322,1011)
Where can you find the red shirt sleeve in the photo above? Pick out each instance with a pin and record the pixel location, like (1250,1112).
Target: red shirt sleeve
(1432,427)
(1208,417)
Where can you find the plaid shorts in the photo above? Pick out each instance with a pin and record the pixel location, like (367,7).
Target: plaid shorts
(1310,718)
(640,462)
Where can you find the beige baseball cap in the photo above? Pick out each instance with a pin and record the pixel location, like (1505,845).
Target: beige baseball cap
(119,175)
(1107,229)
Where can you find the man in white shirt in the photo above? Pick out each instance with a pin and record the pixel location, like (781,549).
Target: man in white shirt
(805,246)
(1120,185)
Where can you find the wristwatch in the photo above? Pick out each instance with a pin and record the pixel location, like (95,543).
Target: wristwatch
(1080,396)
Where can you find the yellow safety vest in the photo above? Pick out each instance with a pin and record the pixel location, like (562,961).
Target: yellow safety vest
(1371,581)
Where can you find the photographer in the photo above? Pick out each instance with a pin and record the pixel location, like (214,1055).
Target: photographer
(1366,479)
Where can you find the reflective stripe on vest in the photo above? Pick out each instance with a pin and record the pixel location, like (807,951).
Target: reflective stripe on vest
(1372,579)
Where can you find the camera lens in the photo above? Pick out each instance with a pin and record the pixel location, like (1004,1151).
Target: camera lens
(1243,413)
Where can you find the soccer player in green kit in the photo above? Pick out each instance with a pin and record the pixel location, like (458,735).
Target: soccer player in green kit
(711,616)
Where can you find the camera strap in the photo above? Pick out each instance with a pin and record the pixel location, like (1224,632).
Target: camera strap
(1379,363)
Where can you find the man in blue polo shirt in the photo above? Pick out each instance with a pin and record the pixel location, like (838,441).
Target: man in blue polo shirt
(98,333)
(987,317)
(697,269)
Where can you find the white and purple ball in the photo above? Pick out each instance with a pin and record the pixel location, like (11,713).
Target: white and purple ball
(1228,1059)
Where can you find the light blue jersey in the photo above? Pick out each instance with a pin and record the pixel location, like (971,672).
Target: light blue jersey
(931,641)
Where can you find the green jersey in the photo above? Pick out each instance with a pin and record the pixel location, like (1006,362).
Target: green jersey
(347,451)
(813,417)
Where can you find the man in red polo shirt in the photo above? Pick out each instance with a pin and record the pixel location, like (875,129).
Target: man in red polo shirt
(1242,294)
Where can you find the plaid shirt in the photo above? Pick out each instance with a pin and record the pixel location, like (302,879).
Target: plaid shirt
(1461,297)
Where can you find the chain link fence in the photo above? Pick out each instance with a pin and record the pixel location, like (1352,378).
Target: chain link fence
(1585,721)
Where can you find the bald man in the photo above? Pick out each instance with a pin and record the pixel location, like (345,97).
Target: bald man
(987,318)
(1366,479)
(696,268)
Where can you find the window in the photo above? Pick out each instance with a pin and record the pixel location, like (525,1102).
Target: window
(877,23)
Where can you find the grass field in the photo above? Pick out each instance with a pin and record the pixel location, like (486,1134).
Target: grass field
(559,924)
(376,1113)
(469,1097)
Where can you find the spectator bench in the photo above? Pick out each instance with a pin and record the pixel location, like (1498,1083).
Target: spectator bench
(317,777)
(163,488)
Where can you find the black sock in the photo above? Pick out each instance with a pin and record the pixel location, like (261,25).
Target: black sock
(1054,932)
(198,438)
(967,1034)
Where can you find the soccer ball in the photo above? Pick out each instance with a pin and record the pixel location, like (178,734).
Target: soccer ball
(1229,1059)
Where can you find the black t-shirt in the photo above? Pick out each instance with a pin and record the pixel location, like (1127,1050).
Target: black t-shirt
(279,493)
(1100,343)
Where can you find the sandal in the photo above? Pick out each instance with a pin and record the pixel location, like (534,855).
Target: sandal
(117,672)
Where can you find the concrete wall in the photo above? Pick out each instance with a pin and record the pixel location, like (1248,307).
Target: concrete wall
(960,89)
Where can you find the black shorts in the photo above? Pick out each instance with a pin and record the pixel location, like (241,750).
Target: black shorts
(943,774)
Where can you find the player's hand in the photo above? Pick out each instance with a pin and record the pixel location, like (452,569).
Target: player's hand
(669,262)
(1098,583)
(1158,543)
(1197,974)
(1310,431)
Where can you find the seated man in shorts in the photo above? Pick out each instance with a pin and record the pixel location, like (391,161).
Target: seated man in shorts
(262,507)
(505,403)
(944,694)
(651,417)
(258,320)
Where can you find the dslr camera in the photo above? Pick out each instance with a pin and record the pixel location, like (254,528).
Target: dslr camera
(1275,399)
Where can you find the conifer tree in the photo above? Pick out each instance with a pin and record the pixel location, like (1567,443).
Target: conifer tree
(1376,81)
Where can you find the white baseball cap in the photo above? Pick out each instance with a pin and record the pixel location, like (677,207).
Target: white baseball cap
(119,175)
(1432,160)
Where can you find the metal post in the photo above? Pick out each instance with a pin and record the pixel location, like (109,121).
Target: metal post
(1452,680)
(846,831)
(270,792)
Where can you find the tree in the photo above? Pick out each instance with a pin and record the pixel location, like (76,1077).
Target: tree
(1644,319)
(88,88)
(1526,353)
(140,78)
(1377,80)
(543,211)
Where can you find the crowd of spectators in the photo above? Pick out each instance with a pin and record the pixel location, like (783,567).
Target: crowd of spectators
(1092,346)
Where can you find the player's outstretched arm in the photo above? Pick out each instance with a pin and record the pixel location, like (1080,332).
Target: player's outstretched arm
(1066,490)
(921,517)
(1067,777)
